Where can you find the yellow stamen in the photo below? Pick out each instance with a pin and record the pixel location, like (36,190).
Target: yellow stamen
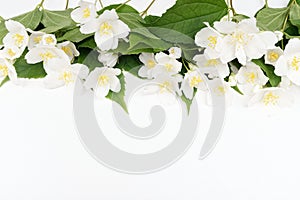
(4,70)
(86,13)
(67,77)
(11,53)
(221,90)
(270,98)
(212,41)
(169,67)
(103,80)
(295,63)
(212,62)
(67,50)
(105,28)
(251,77)
(19,39)
(273,56)
(151,64)
(37,39)
(165,86)
(195,80)
(47,56)
(49,40)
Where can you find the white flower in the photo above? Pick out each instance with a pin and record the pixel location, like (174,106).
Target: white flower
(7,70)
(146,71)
(273,55)
(44,53)
(211,40)
(60,72)
(193,79)
(35,38)
(49,39)
(11,52)
(214,67)
(250,77)
(166,64)
(167,83)
(17,35)
(69,48)
(272,97)
(289,63)
(175,52)
(86,12)
(108,30)
(103,79)
(108,59)
(244,41)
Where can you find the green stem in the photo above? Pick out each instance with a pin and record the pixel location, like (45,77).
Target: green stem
(147,9)
(120,6)
(101,4)
(184,64)
(285,20)
(67,4)
(231,7)
(40,5)
(267,4)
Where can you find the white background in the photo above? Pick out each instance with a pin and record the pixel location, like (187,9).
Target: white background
(42,157)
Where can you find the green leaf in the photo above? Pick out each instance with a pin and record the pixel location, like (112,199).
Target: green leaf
(89,58)
(31,19)
(88,43)
(122,8)
(25,70)
(269,70)
(188,102)
(2,19)
(57,20)
(150,19)
(295,14)
(74,35)
(130,63)
(3,32)
(272,19)
(236,88)
(188,16)
(119,97)
(4,81)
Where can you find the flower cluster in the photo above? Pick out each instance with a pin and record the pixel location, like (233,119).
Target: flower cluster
(256,58)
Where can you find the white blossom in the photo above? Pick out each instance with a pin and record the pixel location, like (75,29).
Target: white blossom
(244,41)
(102,80)
(175,52)
(84,13)
(61,72)
(166,64)
(148,59)
(289,63)
(108,29)
(17,35)
(214,67)
(193,79)
(7,70)
(250,77)
(272,56)
(69,48)
(108,59)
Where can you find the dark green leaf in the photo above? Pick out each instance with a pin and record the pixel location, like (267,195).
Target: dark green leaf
(31,19)
(88,43)
(25,70)
(188,16)
(269,70)
(272,19)
(3,32)
(236,88)
(130,63)
(119,97)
